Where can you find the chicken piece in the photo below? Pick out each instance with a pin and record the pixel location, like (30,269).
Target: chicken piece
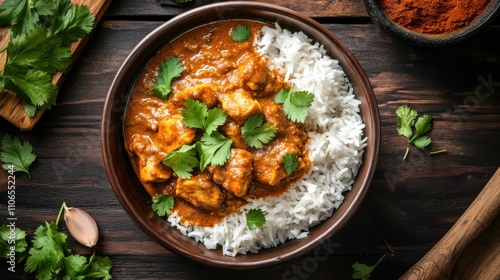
(201,191)
(239,105)
(253,72)
(233,130)
(172,133)
(268,162)
(153,171)
(236,175)
(205,93)
(275,116)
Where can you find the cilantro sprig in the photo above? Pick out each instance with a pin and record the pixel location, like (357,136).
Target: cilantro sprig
(257,133)
(40,36)
(163,204)
(241,33)
(294,103)
(363,271)
(212,149)
(16,155)
(171,68)
(414,129)
(291,162)
(50,256)
(255,218)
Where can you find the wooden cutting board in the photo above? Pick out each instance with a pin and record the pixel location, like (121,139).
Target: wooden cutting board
(11,107)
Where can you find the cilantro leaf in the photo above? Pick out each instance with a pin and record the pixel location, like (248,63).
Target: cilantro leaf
(24,14)
(46,257)
(421,142)
(162,205)
(405,120)
(17,154)
(74,265)
(255,218)
(291,162)
(197,115)
(98,268)
(37,85)
(422,126)
(30,110)
(171,68)
(17,240)
(182,161)
(294,103)
(72,22)
(255,133)
(241,33)
(362,271)
(214,149)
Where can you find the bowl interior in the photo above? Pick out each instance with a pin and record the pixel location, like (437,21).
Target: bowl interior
(480,23)
(137,202)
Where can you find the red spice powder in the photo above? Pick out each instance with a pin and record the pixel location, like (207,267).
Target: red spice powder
(433,16)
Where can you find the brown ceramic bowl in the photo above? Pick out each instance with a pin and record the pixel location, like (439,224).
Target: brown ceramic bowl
(137,202)
(479,24)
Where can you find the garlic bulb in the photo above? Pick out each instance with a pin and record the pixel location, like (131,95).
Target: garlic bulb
(81,226)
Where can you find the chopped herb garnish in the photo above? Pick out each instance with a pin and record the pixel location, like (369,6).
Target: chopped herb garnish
(171,68)
(291,162)
(414,129)
(362,271)
(16,154)
(241,33)
(295,103)
(197,115)
(255,218)
(163,204)
(214,149)
(182,161)
(256,133)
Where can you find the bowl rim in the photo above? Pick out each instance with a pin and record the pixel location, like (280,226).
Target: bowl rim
(479,24)
(226,10)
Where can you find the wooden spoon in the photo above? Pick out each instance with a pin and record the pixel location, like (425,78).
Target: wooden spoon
(440,260)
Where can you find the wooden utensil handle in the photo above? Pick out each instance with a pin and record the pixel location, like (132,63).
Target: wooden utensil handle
(437,263)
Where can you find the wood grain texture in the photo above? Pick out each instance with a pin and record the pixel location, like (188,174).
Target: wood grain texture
(11,107)
(438,263)
(409,208)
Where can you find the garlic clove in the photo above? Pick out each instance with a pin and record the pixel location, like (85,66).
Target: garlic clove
(81,226)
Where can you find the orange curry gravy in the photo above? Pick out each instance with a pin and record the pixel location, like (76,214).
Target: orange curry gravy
(220,73)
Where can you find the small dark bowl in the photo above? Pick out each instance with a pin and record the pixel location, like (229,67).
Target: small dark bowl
(137,202)
(479,24)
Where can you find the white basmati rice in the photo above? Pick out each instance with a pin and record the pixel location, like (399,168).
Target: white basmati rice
(337,144)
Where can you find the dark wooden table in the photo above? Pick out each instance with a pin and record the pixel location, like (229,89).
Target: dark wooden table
(411,203)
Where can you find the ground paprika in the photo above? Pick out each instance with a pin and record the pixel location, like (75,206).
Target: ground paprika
(433,16)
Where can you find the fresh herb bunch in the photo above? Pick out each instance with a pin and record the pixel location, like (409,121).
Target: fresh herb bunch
(41,33)
(414,129)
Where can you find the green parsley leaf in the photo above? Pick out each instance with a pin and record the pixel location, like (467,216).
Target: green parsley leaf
(24,14)
(291,162)
(171,68)
(162,205)
(17,154)
(362,271)
(98,268)
(197,115)
(294,103)
(30,110)
(414,129)
(72,22)
(46,257)
(37,85)
(405,120)
(182,161)
(13,238)
(214,149)
(74,265)
(255,133)
(241,33)
(255,218)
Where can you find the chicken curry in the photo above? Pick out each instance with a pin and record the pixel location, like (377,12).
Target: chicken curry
(229,76)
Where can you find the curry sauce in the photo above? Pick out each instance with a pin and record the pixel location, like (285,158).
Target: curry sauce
(220,73)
